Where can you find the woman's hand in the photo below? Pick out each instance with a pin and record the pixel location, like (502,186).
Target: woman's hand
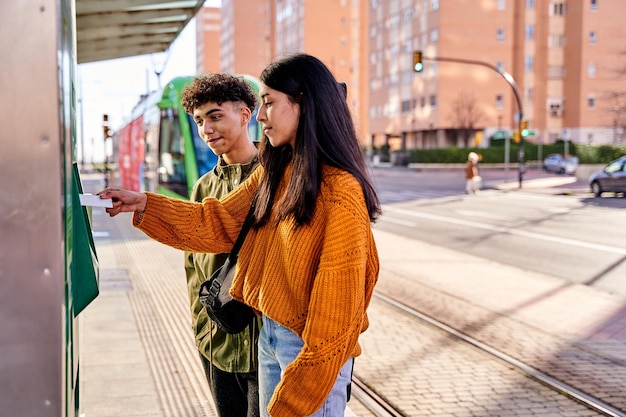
(124,201)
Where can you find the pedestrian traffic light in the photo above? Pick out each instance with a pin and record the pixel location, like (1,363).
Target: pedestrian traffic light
(516,136)
(418,66)
(524,127)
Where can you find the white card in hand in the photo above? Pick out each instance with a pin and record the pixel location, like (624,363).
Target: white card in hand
(94,200)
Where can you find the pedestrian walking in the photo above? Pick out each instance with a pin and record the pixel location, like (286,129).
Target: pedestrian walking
(472,179)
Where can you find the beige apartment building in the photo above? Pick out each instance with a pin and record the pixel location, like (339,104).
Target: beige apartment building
(563,57)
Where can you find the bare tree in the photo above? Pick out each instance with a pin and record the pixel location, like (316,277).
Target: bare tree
(617,108)
(616,102)
(466,115)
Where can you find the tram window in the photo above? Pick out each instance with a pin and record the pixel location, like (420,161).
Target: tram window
(205,158)
(253,127)
(172,172)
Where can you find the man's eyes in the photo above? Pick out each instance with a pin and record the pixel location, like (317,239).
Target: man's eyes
(213,118)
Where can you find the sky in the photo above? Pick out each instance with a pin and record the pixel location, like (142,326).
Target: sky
(113,87)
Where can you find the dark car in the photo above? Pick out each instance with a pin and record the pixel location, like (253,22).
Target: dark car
(611,179)
(557,163)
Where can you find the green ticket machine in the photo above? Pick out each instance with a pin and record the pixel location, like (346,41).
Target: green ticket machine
(48,262)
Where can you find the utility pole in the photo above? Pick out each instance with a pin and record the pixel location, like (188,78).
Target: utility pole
(509,79)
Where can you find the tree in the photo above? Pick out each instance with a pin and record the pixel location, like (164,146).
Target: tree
(616,103)
(617,108)
(466,115)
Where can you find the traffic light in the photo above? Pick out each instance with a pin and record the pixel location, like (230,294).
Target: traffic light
(418,66)
(516,136)
(524,127)
(105,126)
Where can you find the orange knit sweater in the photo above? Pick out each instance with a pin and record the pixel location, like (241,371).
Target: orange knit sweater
(317,279)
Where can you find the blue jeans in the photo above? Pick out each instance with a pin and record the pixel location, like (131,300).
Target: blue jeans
(278,347)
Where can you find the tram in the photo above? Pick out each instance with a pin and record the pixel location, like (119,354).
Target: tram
(160,150)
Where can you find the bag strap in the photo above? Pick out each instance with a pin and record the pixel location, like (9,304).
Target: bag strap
(234,253)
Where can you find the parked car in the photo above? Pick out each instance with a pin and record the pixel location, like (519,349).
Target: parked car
(610,179)
(557,163)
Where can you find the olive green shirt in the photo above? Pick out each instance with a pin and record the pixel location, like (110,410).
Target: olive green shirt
(228,352)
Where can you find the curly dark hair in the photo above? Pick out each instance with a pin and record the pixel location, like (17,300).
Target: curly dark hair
(217,88)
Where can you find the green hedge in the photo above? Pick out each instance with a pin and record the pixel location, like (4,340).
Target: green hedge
(586,154)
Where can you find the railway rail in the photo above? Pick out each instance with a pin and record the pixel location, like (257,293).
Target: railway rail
(381,406)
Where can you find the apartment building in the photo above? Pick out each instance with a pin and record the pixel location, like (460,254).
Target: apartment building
(564,58)
(257,32)
(335,31)
(208,34)
(562,55)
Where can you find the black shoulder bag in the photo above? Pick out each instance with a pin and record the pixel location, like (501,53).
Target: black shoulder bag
(230,315)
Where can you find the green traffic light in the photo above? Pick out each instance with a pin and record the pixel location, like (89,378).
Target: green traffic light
(417,61)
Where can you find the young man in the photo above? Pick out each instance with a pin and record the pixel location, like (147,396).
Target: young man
(222,106)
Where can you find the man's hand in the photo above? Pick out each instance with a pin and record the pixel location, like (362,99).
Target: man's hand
(124,201)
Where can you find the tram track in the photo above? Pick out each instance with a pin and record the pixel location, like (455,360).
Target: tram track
(380,406)
(377,405)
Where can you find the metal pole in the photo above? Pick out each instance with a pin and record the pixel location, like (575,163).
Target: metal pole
(509,79)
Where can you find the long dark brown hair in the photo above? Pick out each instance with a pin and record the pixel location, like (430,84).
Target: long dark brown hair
(325,135)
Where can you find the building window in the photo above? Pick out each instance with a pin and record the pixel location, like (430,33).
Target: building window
(422,102)
(593,37)
(556,41)
(591,102)
(500,35)
(556,72)
(594,5)
(530,4)
(432,69)
(373,4)
(501,4)
(434,35)
(529,63)
(530,94)
(499,102)
(529,32)
(591,70)
(557,9)
(433,101)
(555,106)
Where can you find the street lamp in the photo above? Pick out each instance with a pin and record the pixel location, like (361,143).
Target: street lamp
(509,79)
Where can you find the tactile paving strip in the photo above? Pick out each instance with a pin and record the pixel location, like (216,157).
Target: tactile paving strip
(161,308)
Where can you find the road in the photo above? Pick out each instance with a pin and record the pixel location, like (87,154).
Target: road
(574,236)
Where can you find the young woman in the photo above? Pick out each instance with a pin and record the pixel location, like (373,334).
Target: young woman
(309,265)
